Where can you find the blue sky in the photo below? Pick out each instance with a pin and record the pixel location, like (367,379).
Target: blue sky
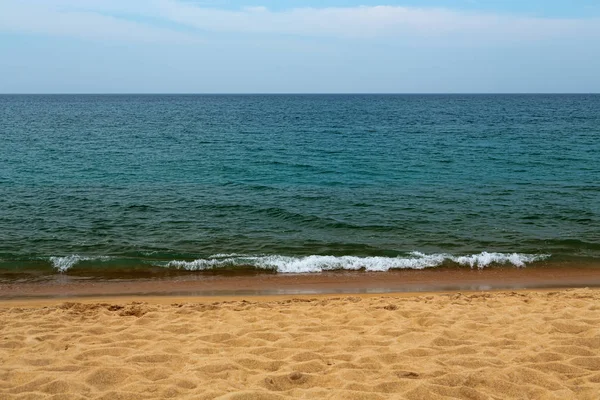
(268,46)
(548,8)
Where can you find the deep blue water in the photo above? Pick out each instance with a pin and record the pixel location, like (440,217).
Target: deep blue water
(199,182)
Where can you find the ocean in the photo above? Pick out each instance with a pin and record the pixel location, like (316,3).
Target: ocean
(147,185)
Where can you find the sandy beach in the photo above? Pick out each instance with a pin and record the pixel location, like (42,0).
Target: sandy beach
(486,345)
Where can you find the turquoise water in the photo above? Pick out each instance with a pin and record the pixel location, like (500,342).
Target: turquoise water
(297,183)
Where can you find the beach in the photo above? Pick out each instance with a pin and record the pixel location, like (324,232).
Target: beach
(541,344)
(328,246)
(319,200)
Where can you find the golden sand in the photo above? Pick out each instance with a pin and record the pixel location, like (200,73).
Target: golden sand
(527,345)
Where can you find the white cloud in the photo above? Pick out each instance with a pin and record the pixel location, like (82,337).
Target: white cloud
(375,21)
(164,20)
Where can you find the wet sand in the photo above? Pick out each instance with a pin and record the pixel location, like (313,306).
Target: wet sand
(197,284)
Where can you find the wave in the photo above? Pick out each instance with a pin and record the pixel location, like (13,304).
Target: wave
(315,263)
(319,263)
(63,264)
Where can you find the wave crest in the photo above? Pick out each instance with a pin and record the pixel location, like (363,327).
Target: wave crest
(63,264)
(314,263)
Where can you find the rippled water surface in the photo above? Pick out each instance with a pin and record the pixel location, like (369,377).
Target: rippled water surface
(298,183)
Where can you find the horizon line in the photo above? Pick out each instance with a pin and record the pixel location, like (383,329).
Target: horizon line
(282,93)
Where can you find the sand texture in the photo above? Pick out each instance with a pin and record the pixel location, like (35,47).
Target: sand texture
(539,345)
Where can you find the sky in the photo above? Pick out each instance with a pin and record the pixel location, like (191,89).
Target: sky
(294,46)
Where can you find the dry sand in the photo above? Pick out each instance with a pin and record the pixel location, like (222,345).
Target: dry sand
(492,345)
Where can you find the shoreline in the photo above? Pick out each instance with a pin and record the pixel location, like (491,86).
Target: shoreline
(330,283)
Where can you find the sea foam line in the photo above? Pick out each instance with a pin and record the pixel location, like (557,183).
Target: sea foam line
(314,263)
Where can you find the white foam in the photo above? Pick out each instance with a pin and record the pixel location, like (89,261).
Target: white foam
(484,259)
(63,264)
(314,263)
(201,264)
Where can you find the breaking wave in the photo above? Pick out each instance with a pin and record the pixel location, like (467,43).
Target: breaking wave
(63,264)
(314,263)
(317,263)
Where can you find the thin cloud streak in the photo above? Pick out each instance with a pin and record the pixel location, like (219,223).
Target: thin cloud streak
(65,19)
(376,21)
(176,21)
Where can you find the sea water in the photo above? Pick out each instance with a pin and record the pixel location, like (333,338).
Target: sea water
(297,183)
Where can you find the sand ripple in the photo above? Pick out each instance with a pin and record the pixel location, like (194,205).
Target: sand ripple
(543,345)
